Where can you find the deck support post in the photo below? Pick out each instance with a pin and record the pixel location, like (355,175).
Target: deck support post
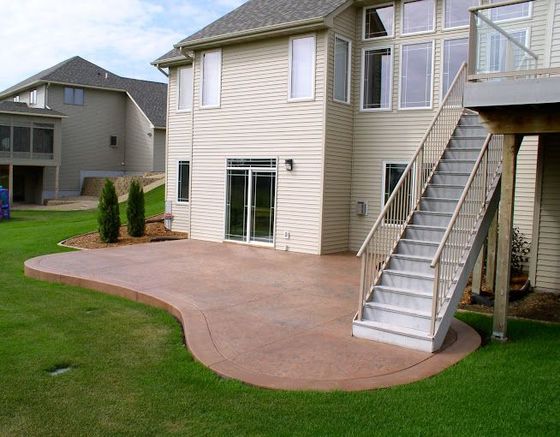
(477,273)
(11,183)
(491,254)
(505,222)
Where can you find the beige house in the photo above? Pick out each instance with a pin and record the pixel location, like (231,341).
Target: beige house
(337,125)
(106,125)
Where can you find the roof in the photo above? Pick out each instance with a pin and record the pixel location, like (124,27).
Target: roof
(22,108)
(171,56)
(151,97)
(261,14)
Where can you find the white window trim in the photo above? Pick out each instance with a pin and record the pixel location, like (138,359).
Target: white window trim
(422,32)
(419,108)
(349,74)
(177,165)
(33,97)
(446,29)
(16,99)
(441,94)
(202,106)
(379,6)
(179,109)
(384,164)
(314,70)
(527,31)
(514,20)
(362,78)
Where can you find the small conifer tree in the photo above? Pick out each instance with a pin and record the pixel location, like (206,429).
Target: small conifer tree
(108,216)
(135,212)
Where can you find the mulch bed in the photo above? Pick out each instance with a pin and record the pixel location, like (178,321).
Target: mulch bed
(155,230)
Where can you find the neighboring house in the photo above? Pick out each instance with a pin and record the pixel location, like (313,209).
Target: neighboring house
(290,123)
(106,125)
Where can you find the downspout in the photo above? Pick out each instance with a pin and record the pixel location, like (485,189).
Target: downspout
(162,71)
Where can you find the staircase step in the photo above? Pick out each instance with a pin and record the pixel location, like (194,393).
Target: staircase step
(392,334)
(438,204)
(398,316)
(430,218)
(470,131)
(412,263)
(465,142)
(407,280)
(467,153)
(450,178)
(456,165)
(417,248)
(445,191)
(424,233)
(470,120)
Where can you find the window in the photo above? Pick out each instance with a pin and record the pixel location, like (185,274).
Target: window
(455,53)
(5,136)
(512,12)
(392,173)
(342,69)
(302,68)
(73,96)
(211,79)
(185,78)
(113,141)
(457,13)
(416,76)
(43,140)
(377,79)
(502,59)
(418,16)
(33,97)
(22,139)
(379,21)
(183,179)
(16,99)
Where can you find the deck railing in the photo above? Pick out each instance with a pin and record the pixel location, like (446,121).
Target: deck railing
(391,223)
(461,231)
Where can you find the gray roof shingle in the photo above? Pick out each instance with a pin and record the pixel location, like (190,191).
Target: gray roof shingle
(256,14)
(151,97)
(22,108)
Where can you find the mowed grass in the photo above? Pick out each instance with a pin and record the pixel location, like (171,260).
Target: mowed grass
(131,374)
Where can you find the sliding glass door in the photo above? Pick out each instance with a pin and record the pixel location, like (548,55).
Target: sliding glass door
(250,200)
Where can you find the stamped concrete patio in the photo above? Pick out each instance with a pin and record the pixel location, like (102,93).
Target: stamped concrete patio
(268,318)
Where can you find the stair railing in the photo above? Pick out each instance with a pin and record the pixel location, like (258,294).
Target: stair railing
(391,223)
(461,231)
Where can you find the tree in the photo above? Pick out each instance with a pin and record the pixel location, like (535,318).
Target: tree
(108,216)
(135,212)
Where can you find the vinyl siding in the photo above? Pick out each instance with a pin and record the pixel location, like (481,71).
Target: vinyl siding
(525,186)
(548,261)
(159,150)
(555,44)
(338,147)
(139,154)
(256,120)
(179,148)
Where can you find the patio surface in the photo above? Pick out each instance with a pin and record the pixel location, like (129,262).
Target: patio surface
(268,318)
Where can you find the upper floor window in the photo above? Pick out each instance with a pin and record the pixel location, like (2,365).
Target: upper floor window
(457,13)
(379,21)
(73,96)
(418,16)
(342,69)
(511,12)
(33,97)
(16,99)
(416,76)
(211,79)
(455,53)
(302,68)
(43,139)
(377,78)
(185,88)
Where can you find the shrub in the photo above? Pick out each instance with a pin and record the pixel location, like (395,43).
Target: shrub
(108,216)
(135,213)
(520,249)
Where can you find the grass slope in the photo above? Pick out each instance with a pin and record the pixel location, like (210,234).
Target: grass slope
(132,375)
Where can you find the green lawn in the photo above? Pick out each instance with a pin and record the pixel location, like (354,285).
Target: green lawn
(133,376)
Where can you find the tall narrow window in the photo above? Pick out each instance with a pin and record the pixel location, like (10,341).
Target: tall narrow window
(211,79)
(379,21)
(33,97)
(377,79)
(185,88)
(455,52)
(342,63)
(302,68)
(457,12)
(418,16)
(416,76)
(392,173)
(183,179)
(511,12)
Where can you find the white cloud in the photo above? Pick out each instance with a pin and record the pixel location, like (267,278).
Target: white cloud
(123,36)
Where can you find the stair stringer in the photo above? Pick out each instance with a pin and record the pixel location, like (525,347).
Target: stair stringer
(450,307)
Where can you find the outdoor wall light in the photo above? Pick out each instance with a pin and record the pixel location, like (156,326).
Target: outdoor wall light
(289,164)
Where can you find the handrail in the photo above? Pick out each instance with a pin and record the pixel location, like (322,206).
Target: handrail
(437,256)
(410,165)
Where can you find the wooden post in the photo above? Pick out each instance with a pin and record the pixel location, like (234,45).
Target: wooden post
(11,183)
(491,254)
(477,273)
(505,218)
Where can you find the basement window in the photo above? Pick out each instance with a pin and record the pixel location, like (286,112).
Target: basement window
(392,173)
(183,180)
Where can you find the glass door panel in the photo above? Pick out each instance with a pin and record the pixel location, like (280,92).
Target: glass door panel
(237,203)
(262,206)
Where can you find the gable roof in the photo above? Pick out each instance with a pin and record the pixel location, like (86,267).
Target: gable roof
(258,15)
(8,107)
(151,97)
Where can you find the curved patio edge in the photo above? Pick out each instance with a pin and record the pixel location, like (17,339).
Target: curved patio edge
(199,341)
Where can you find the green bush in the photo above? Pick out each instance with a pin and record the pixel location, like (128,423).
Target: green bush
(135,211)
(108,216)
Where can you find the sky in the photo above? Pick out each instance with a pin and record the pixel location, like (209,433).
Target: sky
(122,36)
